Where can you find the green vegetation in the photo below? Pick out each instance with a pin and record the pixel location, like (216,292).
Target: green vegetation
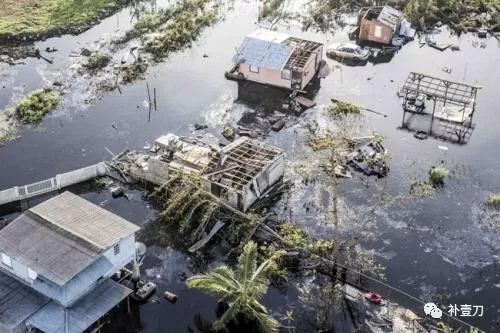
(33,108)
(241,289)
(456,13)
(321,142)
(37,19)
(97,61)
(174,28)
(341,109)
(494,200)
(187,204)
(437,175)
(422,189)
(134,71)
(293,236)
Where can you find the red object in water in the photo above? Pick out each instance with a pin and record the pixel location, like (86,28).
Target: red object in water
(373,297)
(172,298)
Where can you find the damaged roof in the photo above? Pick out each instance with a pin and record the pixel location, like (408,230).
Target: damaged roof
(62,236)
(262,53)
(271,49)
(390,16)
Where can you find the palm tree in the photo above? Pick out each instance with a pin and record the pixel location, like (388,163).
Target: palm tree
(241,289)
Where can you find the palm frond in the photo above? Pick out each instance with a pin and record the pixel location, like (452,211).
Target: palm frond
(220,282)
(229,315)
(265,322)
(247,261)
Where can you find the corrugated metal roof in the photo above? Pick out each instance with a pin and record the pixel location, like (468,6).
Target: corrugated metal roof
(390,16)
(84,220)
(17,301)
(85,312)
(262,53)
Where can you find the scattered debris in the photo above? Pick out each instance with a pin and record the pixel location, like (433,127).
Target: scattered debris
(116,191)
(370,158)
(421,135)
(228,133)
(231,173)
(342,171)
(199,127)
(305,102)
(278,125)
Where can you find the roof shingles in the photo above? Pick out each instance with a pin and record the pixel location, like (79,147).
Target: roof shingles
(62,236)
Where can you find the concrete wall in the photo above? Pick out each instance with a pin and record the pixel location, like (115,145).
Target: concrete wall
(125,256)
(265,75)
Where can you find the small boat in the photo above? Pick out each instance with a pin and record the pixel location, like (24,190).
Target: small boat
(373,297)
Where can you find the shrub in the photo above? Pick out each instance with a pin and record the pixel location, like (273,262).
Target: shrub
(33,108)
(494,200)
(437,176)
(342,108)
(97,61)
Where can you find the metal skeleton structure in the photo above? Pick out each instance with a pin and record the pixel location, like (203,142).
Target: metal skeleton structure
(456,97)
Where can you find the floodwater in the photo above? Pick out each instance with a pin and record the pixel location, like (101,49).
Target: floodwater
(443,248)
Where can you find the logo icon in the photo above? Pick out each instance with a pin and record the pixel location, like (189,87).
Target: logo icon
(432,310)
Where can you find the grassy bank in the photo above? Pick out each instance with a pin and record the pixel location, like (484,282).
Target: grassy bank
(38,19)
(175,27)
(461,15)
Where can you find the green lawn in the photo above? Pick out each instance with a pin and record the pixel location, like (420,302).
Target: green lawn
(36,19)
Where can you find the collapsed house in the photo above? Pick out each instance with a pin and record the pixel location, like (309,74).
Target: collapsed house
(382,24)
(239,173)
(452,110)
(277,59)
(57,260)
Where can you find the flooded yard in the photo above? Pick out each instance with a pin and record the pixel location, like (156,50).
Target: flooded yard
(443,248)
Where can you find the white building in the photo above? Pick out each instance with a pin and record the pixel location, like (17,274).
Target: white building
(60,255)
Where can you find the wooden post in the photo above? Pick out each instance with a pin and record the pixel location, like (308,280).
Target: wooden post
(432,119)
(149,102)
(154,97)
(446,91)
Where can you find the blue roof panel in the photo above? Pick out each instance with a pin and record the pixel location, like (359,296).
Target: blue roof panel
(262,53)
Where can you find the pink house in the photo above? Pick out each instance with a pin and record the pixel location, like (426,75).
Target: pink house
(276,59)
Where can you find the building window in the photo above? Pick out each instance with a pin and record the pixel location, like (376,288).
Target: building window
(32,274)
(254,69)
(285,74)
(116,249)
(6,260)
